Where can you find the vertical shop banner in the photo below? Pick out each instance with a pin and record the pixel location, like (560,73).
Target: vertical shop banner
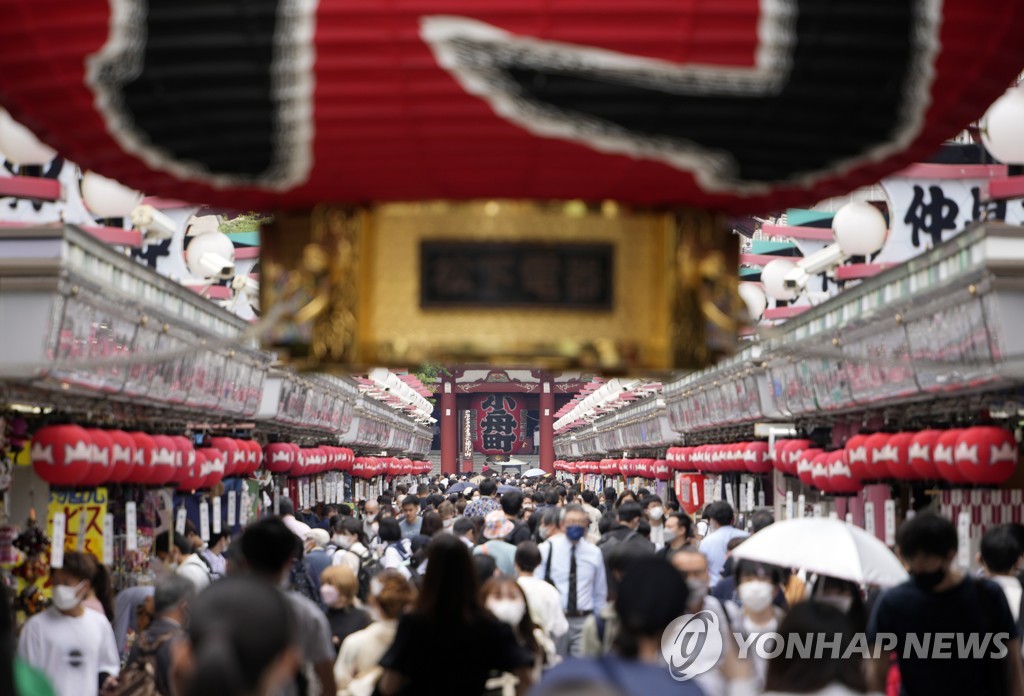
(84,513)
(500,423)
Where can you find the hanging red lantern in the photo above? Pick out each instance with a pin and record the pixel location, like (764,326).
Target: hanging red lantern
(279,457)
(100,468)
(142,470)
(944,458)
(255,457)
(186,453)
(919,454)
(790,454)
(900,466)
(755,457)
(619,97)
(195,471)
(880,456)
(820,471)
(347,457)
(61,454)
(213,471)
(841,479)
(164,458)
(805,464)
(986,455)
(234,455)
(662,470)
(857,456)
(122,456)
(359,467)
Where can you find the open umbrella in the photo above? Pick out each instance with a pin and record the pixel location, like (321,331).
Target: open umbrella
(459,487)
(509,489)
(534,472)
(825,546)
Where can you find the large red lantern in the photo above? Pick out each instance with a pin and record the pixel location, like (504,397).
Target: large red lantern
(944,459)
(841,479)
(857,456)
(61,454)
(805,465)
(791,454)
(820,471)
(662,471)
(234,454)
(194,471)
(900,467)
(755,457)
(659,102)
(359,467)
(348,456)
(186,453)
(213,471)
(919,454)
(99,470)
(145,446)
(164,460)
(986,455)
(880,456)
(122,456)
(279,457)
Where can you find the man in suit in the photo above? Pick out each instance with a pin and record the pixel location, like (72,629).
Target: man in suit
(576,568)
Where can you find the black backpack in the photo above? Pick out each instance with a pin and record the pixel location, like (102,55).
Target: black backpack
(369,568)
(139,677)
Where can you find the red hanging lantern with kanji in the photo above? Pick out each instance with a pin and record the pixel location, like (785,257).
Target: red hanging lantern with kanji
(61,454)
(986,455)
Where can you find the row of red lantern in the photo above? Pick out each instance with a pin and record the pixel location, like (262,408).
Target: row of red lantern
(749,457)
(288,458)
(657,469)
(69,455)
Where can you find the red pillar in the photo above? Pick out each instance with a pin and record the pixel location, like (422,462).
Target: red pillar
(547,427)
(449,430)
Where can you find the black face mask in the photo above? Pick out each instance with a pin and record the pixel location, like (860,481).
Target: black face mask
(929,581)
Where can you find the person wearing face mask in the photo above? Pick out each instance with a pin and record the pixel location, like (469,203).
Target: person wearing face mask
(939,598)
(654,509)
(752,610)
(447,512)
(338,587)
(74,646)
(370,512)
(678,534)
(576,568)
(171,599)
(350,542)
(504,598)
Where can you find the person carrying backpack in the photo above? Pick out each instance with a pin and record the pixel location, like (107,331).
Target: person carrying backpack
(149,664)
(398,551)
(353,550)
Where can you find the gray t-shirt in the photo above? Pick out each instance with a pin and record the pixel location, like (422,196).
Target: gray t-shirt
(313,632)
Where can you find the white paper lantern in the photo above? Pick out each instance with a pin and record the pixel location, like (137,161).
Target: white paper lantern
(859,229)
(106,198)
(20,145)
(772,276)
(1002,127)
(753,296)
(211,255)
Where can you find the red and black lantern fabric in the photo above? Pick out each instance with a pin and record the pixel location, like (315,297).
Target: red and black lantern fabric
(291,104)
(61,454)
(944,458)
(986,455)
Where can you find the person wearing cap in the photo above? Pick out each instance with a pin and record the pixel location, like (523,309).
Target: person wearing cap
(315,547)
(496,528)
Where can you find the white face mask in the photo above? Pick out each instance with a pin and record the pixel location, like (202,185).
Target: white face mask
(840,602)
(509,611)
(343,541)
(66,597)
(670,536)
(657,513)
(329,594)
(756,595)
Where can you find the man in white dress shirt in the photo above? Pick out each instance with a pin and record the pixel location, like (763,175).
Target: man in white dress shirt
(576,568)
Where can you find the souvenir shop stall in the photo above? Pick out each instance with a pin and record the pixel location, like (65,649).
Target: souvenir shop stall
(131,405)
(900,394)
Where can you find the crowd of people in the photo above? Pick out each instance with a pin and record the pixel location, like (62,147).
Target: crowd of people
(500,588)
